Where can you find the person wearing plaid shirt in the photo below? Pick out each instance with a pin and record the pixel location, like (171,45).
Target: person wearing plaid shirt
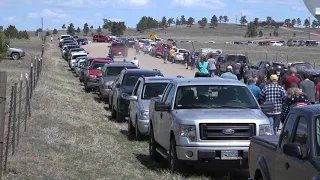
(275,93)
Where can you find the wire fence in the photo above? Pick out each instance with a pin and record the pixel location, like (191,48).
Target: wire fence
(15,119)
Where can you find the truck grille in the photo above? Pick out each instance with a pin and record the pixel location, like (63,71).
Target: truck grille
(214,131)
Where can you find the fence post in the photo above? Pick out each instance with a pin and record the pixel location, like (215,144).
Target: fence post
(14,118)
(31,79)
(27,101)
(19,110)
(34,73)
(8,132)
(3,89)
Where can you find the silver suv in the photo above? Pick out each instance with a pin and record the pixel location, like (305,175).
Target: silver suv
(145,89)
(206,121)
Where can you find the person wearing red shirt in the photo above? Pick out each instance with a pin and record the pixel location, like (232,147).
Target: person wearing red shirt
(291,78)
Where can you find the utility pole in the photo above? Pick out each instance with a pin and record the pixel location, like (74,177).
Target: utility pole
(309,29)
(42,30)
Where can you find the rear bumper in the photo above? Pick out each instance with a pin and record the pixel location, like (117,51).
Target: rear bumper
(92,84)
(105,93)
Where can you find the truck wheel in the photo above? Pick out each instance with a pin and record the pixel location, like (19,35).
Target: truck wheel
(86,88)
(138,135)
(174,163)
(153,154)
(15,56)
(130,127)
(113,112)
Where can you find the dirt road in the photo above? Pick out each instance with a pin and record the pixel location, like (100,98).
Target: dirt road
(145,61)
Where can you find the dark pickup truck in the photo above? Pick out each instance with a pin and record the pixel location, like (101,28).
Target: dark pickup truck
(292,155)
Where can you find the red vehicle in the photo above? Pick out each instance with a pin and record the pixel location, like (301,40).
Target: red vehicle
(91,82)
(118,49)
(160,49)
(74,50)
(100,38)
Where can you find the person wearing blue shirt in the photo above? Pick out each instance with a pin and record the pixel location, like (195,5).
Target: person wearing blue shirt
(165,54)
(256,91)
(229,74)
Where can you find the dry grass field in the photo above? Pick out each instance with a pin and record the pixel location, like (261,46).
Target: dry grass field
(72,136)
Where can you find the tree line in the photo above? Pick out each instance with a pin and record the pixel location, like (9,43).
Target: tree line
(116,28)
(11,32)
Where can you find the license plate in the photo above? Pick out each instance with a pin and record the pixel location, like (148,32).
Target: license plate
(229,155)
(119,52)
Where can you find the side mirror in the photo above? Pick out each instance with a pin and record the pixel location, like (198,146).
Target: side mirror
(267,107)
(161,106)
(108,46)
(117,85)
(88,53)
(99,75)
(160,96)
(292,149)
(132,98)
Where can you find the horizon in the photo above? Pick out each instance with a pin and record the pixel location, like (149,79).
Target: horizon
(27,13)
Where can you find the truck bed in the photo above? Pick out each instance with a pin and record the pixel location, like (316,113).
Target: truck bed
(267,141)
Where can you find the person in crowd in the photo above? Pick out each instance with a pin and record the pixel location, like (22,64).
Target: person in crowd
(212,65)
(262,81)
(256,91)
(135,61)
(291,78)
(193,60)
(275,94)
(229,74)
(51,38)
(186,57)
(317,93)
(295,97)
(202,66)
(165,55)
(171,53)
(137,48)
(308,87)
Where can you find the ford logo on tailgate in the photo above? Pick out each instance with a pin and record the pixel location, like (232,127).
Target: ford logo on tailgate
(228,131)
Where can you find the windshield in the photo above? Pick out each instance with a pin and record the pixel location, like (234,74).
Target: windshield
(76,56)
(78,51)
(63,37)
(301,67)
(98,65)
(131,80)
(214,96)
(115,71)
(151,90)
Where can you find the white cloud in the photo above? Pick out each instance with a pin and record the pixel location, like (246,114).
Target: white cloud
(11,19)
(207,4)
(53,14)
(247,12)
(299,8)
(271,1)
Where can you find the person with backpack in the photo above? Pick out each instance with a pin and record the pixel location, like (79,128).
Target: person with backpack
(295,97)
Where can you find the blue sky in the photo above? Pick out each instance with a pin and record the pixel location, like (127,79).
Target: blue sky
(26,14)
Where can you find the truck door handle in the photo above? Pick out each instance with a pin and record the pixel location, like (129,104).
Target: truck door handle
(287,166)
(161,115)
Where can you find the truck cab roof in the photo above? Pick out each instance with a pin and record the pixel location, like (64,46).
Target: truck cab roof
(206,81)
(156,79)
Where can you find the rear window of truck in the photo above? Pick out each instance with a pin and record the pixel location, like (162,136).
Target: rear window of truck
(118,45)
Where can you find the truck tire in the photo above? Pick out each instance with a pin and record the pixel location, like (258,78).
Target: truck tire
(175,164)
(86,88)
(138,136)
(130,127)
(153,145)
(15,56)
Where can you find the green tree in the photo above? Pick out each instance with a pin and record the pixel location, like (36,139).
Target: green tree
(270,34)
(287,22)
(170,21)
(99,30)
(183,20)
(306,23)
(275,32)
(256,22)
(294,34)
(269,21)
(63,27)
(71,30)
(251,30)
(3,44)
(11,32)
(225,19)
(37,31)
(293,22)
(314,24)
(220,19)
(243,20)
(260,33)
(55,31)
(107,24)
(214,21)
(203,22)
(85,29)
(25,35)
(177,22)
(91,28)
(299,22)
(78,30)
(147,23)
(190,21)
(118,28)
(163,22)
(48,33)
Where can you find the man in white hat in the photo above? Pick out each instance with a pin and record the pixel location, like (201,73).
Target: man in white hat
(229,74)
